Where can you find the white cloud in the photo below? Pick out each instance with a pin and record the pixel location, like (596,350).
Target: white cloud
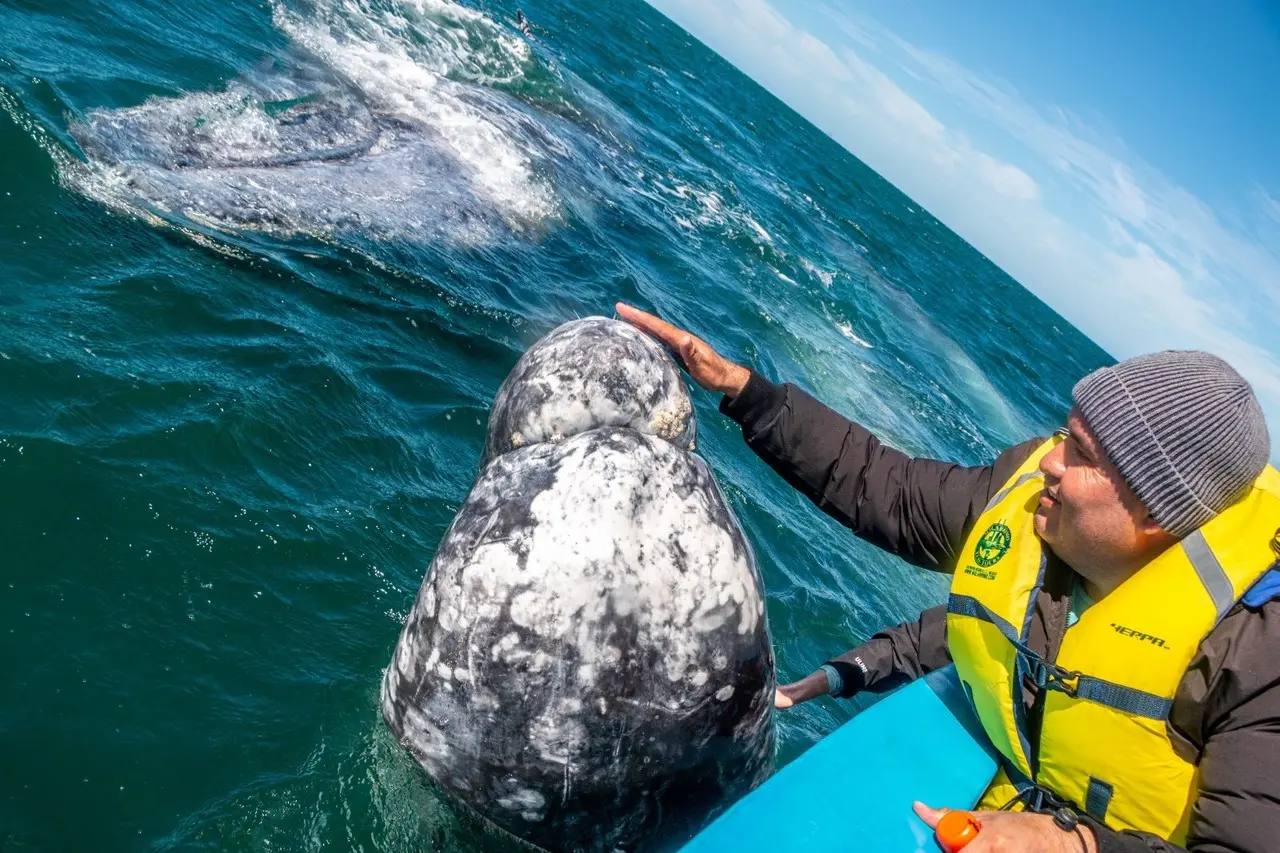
(1136,261)
(1179,224)
(1007,179)
(1267,203)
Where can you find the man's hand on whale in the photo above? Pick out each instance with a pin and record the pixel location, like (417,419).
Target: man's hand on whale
(707,367)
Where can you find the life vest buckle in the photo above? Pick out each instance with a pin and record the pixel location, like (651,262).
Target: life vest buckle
(1048,676)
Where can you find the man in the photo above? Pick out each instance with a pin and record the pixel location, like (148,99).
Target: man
(1112,608)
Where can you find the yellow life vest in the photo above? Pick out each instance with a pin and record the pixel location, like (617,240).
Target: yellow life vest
(1104,746)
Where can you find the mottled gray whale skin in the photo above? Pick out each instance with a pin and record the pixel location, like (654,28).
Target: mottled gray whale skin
(588,661)
(586,374)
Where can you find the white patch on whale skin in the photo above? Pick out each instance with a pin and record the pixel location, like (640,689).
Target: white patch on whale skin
(423,736)
(516,655)
(528,802)
(724,694)
(705,622)
(407,652)
(484,700)
(505,645)
(446,617)
(525,609)
(390,690)
(624,600)
(558,736)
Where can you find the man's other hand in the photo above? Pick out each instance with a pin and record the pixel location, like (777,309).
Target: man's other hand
(809,687)
(1018,832)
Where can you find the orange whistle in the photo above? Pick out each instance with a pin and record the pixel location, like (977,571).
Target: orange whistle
(955,830)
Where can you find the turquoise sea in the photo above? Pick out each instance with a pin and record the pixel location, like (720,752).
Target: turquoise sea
(263,265)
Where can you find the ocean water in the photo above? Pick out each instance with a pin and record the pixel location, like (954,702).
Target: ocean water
(263,265)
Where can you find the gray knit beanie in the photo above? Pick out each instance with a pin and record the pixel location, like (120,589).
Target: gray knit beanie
(1183,428)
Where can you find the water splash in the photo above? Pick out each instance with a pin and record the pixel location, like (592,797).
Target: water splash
(379,122)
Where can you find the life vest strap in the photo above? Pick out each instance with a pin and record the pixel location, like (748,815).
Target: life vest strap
(1126,699)
(967,605)
(1044,674)
(1050,676)
(1098,798)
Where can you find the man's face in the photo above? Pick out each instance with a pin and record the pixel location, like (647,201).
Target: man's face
(1087,514)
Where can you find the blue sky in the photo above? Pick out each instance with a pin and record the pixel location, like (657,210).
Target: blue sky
(1122,160)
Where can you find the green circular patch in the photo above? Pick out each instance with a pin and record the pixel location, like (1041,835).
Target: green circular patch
(993,545)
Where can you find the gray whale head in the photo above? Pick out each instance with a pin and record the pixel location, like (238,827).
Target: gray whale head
(587,374)
(588,661)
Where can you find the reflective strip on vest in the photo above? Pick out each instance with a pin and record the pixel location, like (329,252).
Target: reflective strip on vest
(1004,493)
(1211,573)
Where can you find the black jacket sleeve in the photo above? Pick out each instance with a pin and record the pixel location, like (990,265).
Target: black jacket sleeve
(895,656)
(919,509)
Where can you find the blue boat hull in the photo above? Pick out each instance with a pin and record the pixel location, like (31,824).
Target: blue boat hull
(853,789)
